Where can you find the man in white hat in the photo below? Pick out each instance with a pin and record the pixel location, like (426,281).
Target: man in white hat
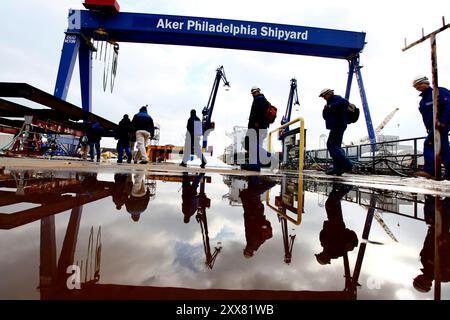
(257,130)
(422,84)
(335,116)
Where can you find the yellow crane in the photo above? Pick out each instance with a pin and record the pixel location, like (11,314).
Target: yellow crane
(379,128)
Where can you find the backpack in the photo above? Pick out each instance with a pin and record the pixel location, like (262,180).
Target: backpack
(271,113)
(352,113)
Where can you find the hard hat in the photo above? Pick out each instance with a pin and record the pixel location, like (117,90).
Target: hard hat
(322,258)
(255,88)
(326,91)
(422,284)
(248,253)
(420,79)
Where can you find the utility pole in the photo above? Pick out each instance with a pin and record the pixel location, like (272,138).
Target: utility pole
(437,152)
(434,71)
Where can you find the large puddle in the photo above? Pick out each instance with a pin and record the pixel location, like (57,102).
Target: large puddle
(140,235)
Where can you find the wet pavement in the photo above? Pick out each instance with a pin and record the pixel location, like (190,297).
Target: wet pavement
(138,234)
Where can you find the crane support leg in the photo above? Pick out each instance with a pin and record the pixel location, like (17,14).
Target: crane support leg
(362,92)
(66,65)
(67,255)
(351,68)
(85,61)
(47,269)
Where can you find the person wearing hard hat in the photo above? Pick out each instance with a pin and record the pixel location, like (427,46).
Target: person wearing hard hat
(257,129)
(335,116)
(257,228)
(335,238)
(422,84)
(424,281)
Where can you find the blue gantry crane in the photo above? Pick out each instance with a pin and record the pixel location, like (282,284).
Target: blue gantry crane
(103,22)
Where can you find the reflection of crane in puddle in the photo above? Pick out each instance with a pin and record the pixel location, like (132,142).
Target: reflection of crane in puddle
(291,190)
(205,202)
(290,195)
(386,229)
(288,240)
(382,203)
(93,259)
(190,184)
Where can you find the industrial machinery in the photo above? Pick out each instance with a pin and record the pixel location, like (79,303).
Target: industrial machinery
(207,111)
(203,203)
(288,138)
(383,123)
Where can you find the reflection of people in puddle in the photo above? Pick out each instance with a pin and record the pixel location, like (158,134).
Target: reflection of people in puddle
(137,202)
(423,282)
(122,189)
(257,228)
(189,195)
(335,238)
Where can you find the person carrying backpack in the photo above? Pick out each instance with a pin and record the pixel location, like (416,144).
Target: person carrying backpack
(257,129)
(335,114)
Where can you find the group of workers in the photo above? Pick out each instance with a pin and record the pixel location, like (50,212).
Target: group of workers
(141,129)
(128,133)
(335,113)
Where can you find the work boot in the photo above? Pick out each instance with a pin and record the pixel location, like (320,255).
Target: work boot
(424,174)
(348,169)
(333,172)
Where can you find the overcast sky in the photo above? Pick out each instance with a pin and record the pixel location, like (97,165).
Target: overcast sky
(174,79)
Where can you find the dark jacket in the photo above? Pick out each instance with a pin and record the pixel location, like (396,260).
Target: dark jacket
(189,195)
(137,205)
(94,132)
(124,131)
(335,238)
(426,107)
(258,113)
(335,112)
(122,189)
(427,252)
(142,121)
(190,124)
(257,228)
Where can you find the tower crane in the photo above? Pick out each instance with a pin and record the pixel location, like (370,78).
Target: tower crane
(380,127)
(386,229)
(208,110)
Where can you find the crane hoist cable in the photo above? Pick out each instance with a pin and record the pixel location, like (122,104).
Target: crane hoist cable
(106,66)
(114,66)
(110,65)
